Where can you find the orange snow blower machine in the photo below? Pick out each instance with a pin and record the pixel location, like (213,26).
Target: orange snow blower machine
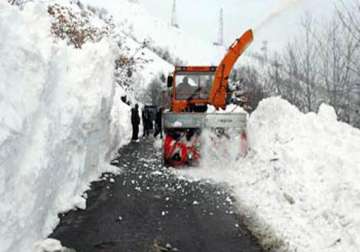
(192,92)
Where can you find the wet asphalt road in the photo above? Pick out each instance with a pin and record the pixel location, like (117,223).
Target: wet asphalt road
(146,208)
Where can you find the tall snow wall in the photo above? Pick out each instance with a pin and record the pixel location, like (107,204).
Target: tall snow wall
(61,120)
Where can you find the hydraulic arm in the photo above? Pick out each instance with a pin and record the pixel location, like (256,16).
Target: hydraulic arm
(218,91)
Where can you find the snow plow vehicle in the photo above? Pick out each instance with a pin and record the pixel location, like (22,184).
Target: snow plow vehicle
(198,98)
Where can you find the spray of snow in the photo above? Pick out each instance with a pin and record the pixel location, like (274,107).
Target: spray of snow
(283,6)
(298,187)
(215,147)
(215,143)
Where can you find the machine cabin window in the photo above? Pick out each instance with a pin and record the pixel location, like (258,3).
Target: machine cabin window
(194,85)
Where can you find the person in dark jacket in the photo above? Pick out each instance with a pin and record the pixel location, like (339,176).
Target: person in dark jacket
(135,121)
(145,119)
(158,128)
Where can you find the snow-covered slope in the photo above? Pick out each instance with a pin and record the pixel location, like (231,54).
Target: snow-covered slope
(299,186)
(152,65)
(139,24)
(61,120)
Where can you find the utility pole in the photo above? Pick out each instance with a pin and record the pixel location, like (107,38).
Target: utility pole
(264,50)
(220,38)
(174,22)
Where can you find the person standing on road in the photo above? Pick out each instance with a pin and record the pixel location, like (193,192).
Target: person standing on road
(135,121)
(158,128)
(145,120)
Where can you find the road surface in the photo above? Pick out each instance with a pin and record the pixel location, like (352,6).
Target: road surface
(146,208)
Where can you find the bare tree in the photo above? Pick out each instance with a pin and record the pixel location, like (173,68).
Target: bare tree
(274,79)
(349,15)
(321,65)
(248,85)
(308,63)
(338,49)
(298,66)
(291,66)
(153,93)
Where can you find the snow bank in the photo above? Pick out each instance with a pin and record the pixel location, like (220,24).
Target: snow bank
(299,186)
(61,121)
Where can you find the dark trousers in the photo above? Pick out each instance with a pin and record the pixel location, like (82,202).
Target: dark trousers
(158,130)
(146,128)
(135,130)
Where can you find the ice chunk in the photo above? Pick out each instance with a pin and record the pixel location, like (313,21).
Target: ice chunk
(327,112)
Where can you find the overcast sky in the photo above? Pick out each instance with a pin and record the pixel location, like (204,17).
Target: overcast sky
(200,17)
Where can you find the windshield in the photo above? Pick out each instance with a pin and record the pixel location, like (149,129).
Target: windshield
(195,85)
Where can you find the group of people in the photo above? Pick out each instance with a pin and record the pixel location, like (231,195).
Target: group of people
(147,121)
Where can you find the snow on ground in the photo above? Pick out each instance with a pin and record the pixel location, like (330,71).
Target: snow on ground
(61,121)
(299,186)
(50,245)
